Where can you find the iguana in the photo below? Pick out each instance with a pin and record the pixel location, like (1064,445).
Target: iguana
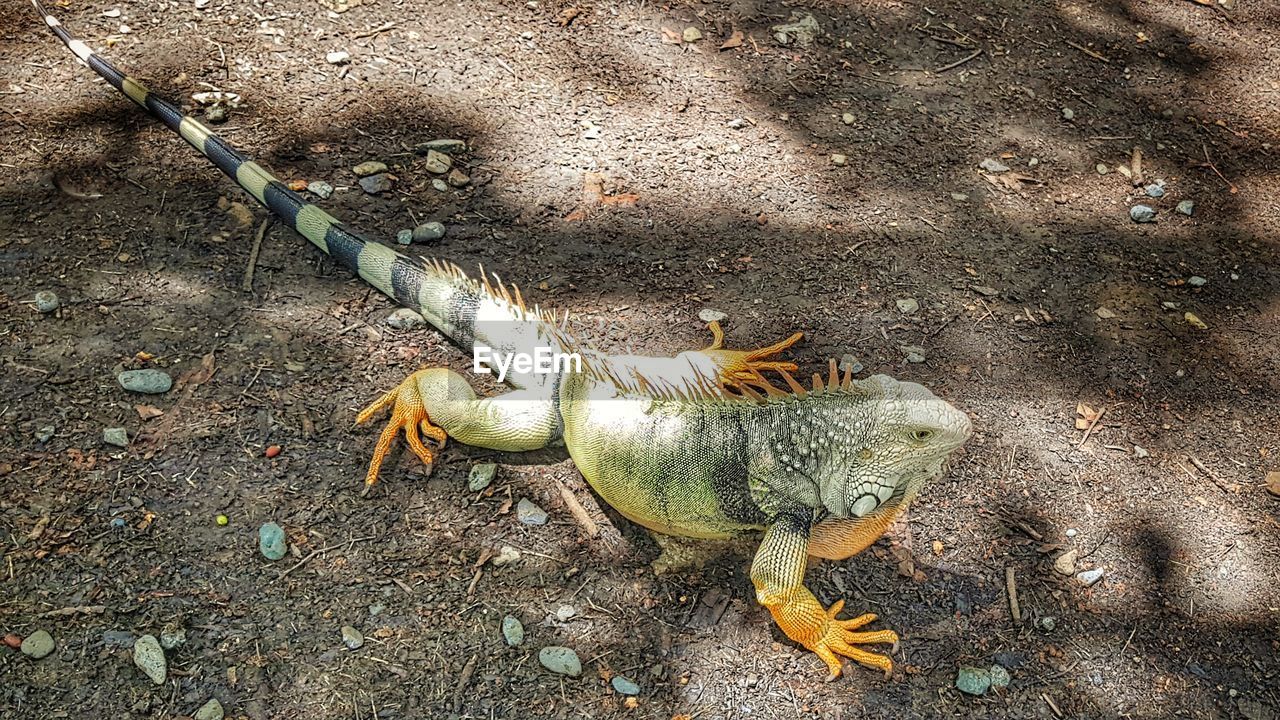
(700,445)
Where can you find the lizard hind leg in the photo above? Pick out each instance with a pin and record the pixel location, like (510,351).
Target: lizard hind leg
(737,367)
(409,413)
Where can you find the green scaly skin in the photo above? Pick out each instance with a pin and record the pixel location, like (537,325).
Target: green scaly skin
(821,472)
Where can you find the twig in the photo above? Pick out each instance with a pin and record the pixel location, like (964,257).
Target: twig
(86,609)
(1096,419)
(1135,165)
(325,549)
(1011,587)
(1209,164)
(369,33)
(463,680)
(1052,705)
(1088,52)
(247,283)
(579,513)
(961,61)
(1223,485)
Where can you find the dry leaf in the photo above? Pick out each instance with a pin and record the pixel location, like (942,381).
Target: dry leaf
(1195,320)
(147,412)
(735,40)
(671,37)
(1088,416)
(568,15)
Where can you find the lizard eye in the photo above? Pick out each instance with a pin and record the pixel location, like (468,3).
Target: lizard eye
(921,435)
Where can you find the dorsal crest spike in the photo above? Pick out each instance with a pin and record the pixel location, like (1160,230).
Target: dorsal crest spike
(834,374)
(846,383)
(796,387)
(818,385)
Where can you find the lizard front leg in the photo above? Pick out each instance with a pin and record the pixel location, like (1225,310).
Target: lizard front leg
(778,575)
(438,403)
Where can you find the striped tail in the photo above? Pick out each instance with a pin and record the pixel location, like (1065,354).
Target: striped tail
(470,312)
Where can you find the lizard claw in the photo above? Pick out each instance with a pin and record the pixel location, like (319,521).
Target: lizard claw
(740,367)
(838,639)
(408,414)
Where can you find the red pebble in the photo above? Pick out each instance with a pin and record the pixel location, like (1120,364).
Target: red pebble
(13,641)
(273,451)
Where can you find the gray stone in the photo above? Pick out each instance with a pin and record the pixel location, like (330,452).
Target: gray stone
(446,146)
(1142,214)
(404,237)
(117,436)
(211,710)
(560,660)
(960,197)
(1155,190)
(1187,207)
(1101,169)
(428,232)
(37,645)
(914,353)
(973,681)
(172,638)
(437,163)
(565,613)
(352,638)
(1088,578)
(149,381)
(1068,114)
(993,165)
(118,638)
(999,677)
(984,290)
(623,686)
(802,30)
(908,306)
(375,184)
(216,114)
(709,315)
(45,433)
(458,179)
(529,513)
(736,124)
(839,159)
(1197,281)
(320,189)
(850,364)
(512,631)
(440,185)
(405,319)
(1049,623)
(47,301)
(480,476)
(149,656)
(338,57)
(271,541)
(848,119)
(369,167)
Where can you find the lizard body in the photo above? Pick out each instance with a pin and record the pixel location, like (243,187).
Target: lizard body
(700,445)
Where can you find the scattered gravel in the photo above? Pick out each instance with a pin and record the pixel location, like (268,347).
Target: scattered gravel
(1088,578)
(623,686)
(1197,281)
(993,165)
(908,306)
(512,631)
(850,364)
(1155,190)
(984,290)
(1187,207)
(369,167)
(999,677)
(45,433)
(118,638)
(149,381)
(973,681)
(480,476)
(914,353)
(149,656)
(1142,214)
(320,189)
(428,231)
(338,57)
(376,184)
(458,179)
(802,29)
(404,237)
(560,660)
(37,645)
(529,513)
(448,146)
(352,638)
(405,319)
(506,555)
(47,301)
(211,710)
(271,541)
(709,315)
(839,159)
(172,638)
(437,163)
(117,436)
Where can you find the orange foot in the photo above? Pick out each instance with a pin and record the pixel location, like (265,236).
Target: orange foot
(837,639)
(410,414)
(738,367)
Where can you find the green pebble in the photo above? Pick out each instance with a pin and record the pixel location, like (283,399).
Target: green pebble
(222,519)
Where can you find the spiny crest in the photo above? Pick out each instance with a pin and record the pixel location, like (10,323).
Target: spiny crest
(495,289)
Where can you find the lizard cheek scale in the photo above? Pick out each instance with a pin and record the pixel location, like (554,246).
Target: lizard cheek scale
(700,445)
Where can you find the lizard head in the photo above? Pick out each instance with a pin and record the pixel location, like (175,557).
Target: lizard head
(892,438)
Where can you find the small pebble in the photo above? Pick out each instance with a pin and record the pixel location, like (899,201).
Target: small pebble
(222,520)
(320,189)
(1033,162)
(352,638)
(149,656)
(448,146)
(149,381)
(480,476)
(530,514)
(736,124)
(404,319)
(849,364)
(172,638)
(1187,207)
(1072,532)
(437,163)
(691,35)
(973,681)
(1068,114)
(216,114)
(1101,169)
(271,541)
(440,185)
(375,184)
(710,315)
(117,436)
(458,179)
(560,660)
(908,306)
(623,686)
(1155,190)
(47,301)
(993,165)
(565,613)
(984,290)
(959,196)
(1140,452)
(338,57)
(118,523)
(915,354)
(1197,281)
(1125,171)
(506,555)
(1089,577)
(45,433)
(211,710)
(1065,563)
(848,119)
(512,631)
(404,237)
(428,231)
(369,167)
(37,645)
(1049,623)
(839,159)
(1195,321)
(999,677)
(13,640)
(1142,214)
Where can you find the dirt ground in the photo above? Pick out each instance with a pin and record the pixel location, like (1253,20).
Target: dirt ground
(1036,293)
